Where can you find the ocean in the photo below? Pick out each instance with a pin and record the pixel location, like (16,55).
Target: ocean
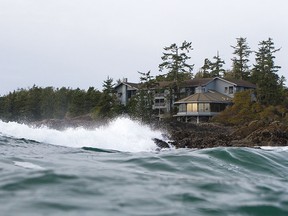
(118,170)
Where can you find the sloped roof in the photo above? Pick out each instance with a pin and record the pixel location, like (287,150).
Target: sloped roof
(191,83)
(186,83)
(132,85)
(206,97)
(204,81)
(242,83)
(196,82)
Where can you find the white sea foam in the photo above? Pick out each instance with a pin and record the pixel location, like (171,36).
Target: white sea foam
(274,148)
(28,165)
(122,134)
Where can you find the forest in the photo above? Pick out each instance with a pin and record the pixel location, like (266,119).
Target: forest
(37,103)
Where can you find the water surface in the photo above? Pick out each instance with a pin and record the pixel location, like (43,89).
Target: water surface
(118,170)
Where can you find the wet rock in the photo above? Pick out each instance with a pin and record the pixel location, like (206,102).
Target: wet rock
(208,135)
(161,143)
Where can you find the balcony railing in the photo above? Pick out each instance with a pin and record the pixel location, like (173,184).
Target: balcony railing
(159,95)
(159,105)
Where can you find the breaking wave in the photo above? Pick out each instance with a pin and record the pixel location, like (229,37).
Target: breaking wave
(122,134)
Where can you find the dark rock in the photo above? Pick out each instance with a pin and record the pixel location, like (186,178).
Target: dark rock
(160,143)
(208,135)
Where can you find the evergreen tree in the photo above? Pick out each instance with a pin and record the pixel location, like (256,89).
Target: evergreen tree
(77,103)
(175,62)
(92,99)
(108,101)
(34,103)
(264,74)
(108,86)
(240,66)
(47,103)
(217,66)
(38,103)
(205,70)
(145,97)
(62,99)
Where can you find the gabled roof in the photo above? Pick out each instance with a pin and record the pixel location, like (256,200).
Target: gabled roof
(205,81)
(206,97)
(239,83)
(196,82)
(133,85)
(242,83)
(186,83)
(129,84)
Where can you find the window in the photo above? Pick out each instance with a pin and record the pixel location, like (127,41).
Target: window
(182,108)
(192,107)
(204,107)
(226,90)
(217,107)
(230,89)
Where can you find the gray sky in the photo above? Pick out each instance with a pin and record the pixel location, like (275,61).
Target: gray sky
(78,43)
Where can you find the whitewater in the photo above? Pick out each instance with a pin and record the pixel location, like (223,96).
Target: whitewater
(117,169)
(122,134)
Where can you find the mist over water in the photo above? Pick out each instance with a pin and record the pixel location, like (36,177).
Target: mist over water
(121,134)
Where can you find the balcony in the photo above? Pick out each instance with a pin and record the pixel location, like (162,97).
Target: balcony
(197,113)
(159,106)
(159,96)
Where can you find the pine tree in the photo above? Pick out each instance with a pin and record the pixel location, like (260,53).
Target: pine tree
(217,66)
(108,101)
(178,70)
(175,62)
(240,66)
(77,103)
(205,70)
(145,97)
(264,74)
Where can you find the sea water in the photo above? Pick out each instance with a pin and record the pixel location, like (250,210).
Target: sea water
(118,170)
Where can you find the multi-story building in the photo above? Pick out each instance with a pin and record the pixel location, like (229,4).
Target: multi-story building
(197,99)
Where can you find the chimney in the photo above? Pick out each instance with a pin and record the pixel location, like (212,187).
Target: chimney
(125,80)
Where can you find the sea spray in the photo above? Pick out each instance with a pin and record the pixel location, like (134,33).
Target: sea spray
(121,134)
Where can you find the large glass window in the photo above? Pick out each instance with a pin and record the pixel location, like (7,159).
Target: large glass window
(204,107)
(217,107)
(192,107)
(182,108)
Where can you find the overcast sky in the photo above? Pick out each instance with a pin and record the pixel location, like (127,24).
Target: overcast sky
(78,43)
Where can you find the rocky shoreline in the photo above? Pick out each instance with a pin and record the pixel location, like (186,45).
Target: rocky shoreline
(203,135)
(209,135)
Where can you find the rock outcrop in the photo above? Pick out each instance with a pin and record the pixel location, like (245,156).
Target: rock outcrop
(207,135)
(203,135)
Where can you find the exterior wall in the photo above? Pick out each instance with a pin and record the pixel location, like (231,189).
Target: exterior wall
(224,87)
(122,94)
(161,102)
(211,86)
